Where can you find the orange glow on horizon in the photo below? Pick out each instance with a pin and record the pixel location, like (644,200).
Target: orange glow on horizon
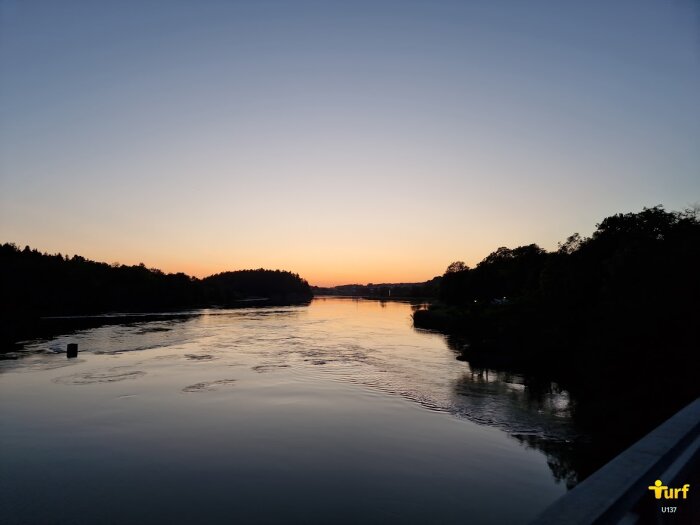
(373,152)
(319,277)
(325,272)
(328,260)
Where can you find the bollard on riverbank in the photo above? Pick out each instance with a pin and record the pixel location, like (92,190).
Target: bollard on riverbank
(72,350)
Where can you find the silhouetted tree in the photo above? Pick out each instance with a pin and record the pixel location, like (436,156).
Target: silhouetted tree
(457,266)
(35,284)
(614,316)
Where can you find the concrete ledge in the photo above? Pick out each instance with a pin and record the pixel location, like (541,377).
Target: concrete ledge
(613,491)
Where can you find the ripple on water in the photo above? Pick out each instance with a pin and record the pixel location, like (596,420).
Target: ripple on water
(269,367)
(153,329)
(49,364)
(123,350)
(200,357)
(166,357)
(209,385)
(111,375)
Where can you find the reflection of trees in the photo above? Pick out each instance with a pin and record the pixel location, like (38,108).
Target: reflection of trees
(613,317)
(535,410)
(147,326)
(579,425)
(419,306)
(561,457)
(36,284)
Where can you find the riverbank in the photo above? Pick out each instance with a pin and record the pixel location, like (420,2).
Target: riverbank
(612,317)
(19,329)
(37,285)
(618,394)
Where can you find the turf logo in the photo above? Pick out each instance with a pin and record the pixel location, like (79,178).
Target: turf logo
(660,490)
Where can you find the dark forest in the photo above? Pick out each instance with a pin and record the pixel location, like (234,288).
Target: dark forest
(36,284)
(613,317)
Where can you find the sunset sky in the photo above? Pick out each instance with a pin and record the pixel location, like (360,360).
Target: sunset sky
(347,141)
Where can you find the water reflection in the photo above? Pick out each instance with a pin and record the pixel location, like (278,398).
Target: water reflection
(316,376)
(535,411)
(563,458)
(369,342)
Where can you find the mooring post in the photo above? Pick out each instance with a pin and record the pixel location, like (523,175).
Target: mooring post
(72,350)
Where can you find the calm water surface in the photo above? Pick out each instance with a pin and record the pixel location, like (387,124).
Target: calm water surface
(337,412)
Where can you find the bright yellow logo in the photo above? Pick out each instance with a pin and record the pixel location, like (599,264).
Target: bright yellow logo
(668,493)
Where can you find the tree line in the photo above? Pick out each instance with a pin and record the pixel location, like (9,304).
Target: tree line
(36,284)
(614,317)
(425,290)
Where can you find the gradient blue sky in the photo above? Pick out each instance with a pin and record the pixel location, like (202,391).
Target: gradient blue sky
(347,141)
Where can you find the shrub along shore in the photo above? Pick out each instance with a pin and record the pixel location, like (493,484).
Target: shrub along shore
(36,285)
(614,318)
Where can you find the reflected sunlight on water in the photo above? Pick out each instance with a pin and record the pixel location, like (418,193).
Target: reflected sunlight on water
(325,403)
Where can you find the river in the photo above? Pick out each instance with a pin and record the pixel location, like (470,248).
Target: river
(335,412)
